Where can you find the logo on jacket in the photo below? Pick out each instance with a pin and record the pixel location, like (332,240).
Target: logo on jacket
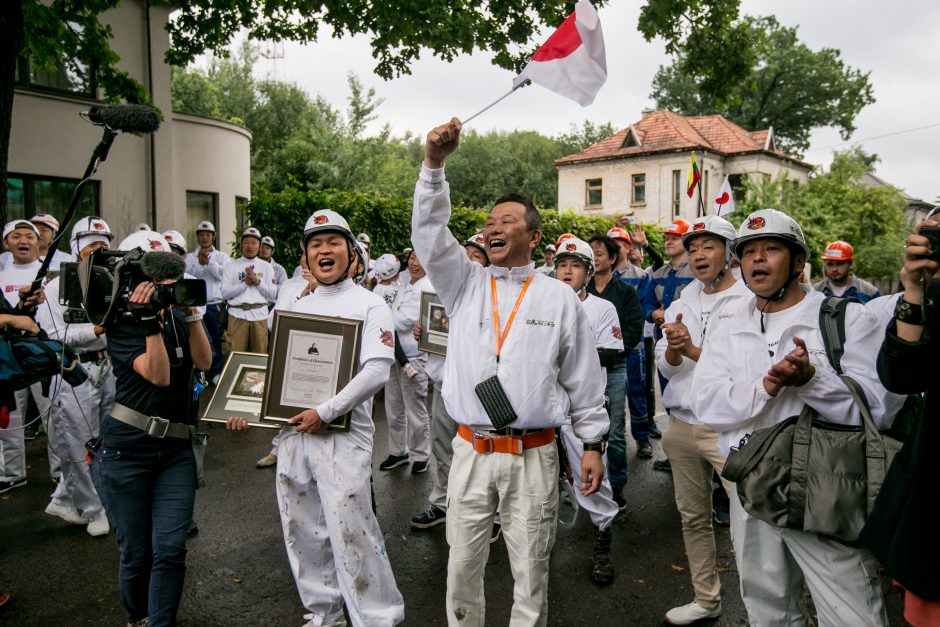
(617,333)
(756,223)
(386,337)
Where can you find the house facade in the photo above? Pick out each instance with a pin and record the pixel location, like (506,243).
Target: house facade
(643,169)
(192,169)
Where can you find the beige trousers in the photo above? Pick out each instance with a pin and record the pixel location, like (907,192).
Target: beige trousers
(693,452)
(523,489)
(247,335)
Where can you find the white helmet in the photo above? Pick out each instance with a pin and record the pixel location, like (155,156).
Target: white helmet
(363,256)
(175,239)
(141,226)
(477,241)
(326,220)
(267,241)
(386,267)
(577,248)
(147,241)
(205,225)
(46,219)
(770,223)
(251,232)
(710,225)
(87,231)
(364,238)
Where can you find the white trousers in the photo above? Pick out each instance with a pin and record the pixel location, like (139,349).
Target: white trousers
(407,412)
(77,413)
(334,545)
(524,490)
(600,505)
(773,563)
(13,442)
(443,430)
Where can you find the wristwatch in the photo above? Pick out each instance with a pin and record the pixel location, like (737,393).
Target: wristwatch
(594,446)
(910,313)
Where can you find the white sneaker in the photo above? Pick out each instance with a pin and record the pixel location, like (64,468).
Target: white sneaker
(691,613)
(66,513)
(98,526)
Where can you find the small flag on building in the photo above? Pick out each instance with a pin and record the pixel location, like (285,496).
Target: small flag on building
(572,61)
(695,176)
(724,203)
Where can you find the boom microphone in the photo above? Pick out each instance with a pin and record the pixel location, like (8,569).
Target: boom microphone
(161,266)
(130,118)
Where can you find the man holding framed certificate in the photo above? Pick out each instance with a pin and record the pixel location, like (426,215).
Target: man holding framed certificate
(334,544)
(521,362)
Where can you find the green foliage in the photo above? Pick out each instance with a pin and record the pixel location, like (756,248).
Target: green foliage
(714,45)
(788,86)
(387,220)
(838,204)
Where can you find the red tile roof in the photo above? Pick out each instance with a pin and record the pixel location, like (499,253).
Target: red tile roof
(664,131)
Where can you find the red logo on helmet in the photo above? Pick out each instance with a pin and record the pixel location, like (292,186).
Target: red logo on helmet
(756,223)
(698,226)
(97,226)
(321,219)
(155,244)
(571,247)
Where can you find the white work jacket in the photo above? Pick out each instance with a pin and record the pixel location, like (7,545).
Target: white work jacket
(406,310)
(728,392)
(211,273)
(677,398)
(549,352)
(237,292)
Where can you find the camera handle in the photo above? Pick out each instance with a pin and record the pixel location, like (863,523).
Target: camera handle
(99,154)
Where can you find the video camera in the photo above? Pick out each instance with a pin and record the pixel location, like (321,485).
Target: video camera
(97,289)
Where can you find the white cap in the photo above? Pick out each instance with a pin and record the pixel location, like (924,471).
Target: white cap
(141,226)
(147,241)
(577,248)
(770,223)
(550,248)
(363,256)
(251,232)
(88,231)
(46,219)
(175,238)
(268,241)
(364,238)
(19,224)
(205,225)
(386,267)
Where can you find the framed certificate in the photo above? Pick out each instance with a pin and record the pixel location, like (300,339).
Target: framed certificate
(434,325)
(240,390)
(311,359)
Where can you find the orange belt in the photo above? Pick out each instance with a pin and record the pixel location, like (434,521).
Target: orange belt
(484,442)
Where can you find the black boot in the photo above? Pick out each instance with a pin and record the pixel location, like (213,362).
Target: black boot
(602,571)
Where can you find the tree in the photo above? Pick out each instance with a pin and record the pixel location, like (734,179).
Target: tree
(789,86)
(837,204)
(577,139)
(65,31)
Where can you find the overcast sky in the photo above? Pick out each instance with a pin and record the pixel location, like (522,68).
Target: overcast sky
(895,41)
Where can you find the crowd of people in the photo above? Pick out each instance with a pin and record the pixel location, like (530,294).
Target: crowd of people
(542,367)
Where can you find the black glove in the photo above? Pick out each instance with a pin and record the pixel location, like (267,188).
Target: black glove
(147,316)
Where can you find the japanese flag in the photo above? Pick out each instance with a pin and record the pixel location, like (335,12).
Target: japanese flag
(724,203)
(572,62)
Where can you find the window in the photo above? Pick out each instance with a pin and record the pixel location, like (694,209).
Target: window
(73,76)
(593,192)
(200,206)
(638,197)
(28,195)
(737,182)
(240,220)
(676,192)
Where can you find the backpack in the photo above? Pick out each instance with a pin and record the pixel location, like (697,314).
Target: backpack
(26,359)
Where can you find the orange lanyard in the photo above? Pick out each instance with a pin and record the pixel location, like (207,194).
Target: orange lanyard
(501,337)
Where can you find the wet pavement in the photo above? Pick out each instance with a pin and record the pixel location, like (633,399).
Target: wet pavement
(238,572)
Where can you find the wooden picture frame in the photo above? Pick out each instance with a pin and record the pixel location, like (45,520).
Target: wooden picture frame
(240,390)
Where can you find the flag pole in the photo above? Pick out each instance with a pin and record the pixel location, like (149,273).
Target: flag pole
(495,102)
(701,200)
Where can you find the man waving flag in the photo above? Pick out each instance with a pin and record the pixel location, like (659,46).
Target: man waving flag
(572,62)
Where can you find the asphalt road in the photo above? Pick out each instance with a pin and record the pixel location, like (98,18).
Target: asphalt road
(238,572)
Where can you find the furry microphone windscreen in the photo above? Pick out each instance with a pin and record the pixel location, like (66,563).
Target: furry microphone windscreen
(129,118)
(162,266)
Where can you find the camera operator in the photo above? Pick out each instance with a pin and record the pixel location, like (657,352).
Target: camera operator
(77,412)
(902,528)
(144,467)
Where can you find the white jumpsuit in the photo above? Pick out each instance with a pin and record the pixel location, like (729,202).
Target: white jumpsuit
(77,412)
(334,544)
